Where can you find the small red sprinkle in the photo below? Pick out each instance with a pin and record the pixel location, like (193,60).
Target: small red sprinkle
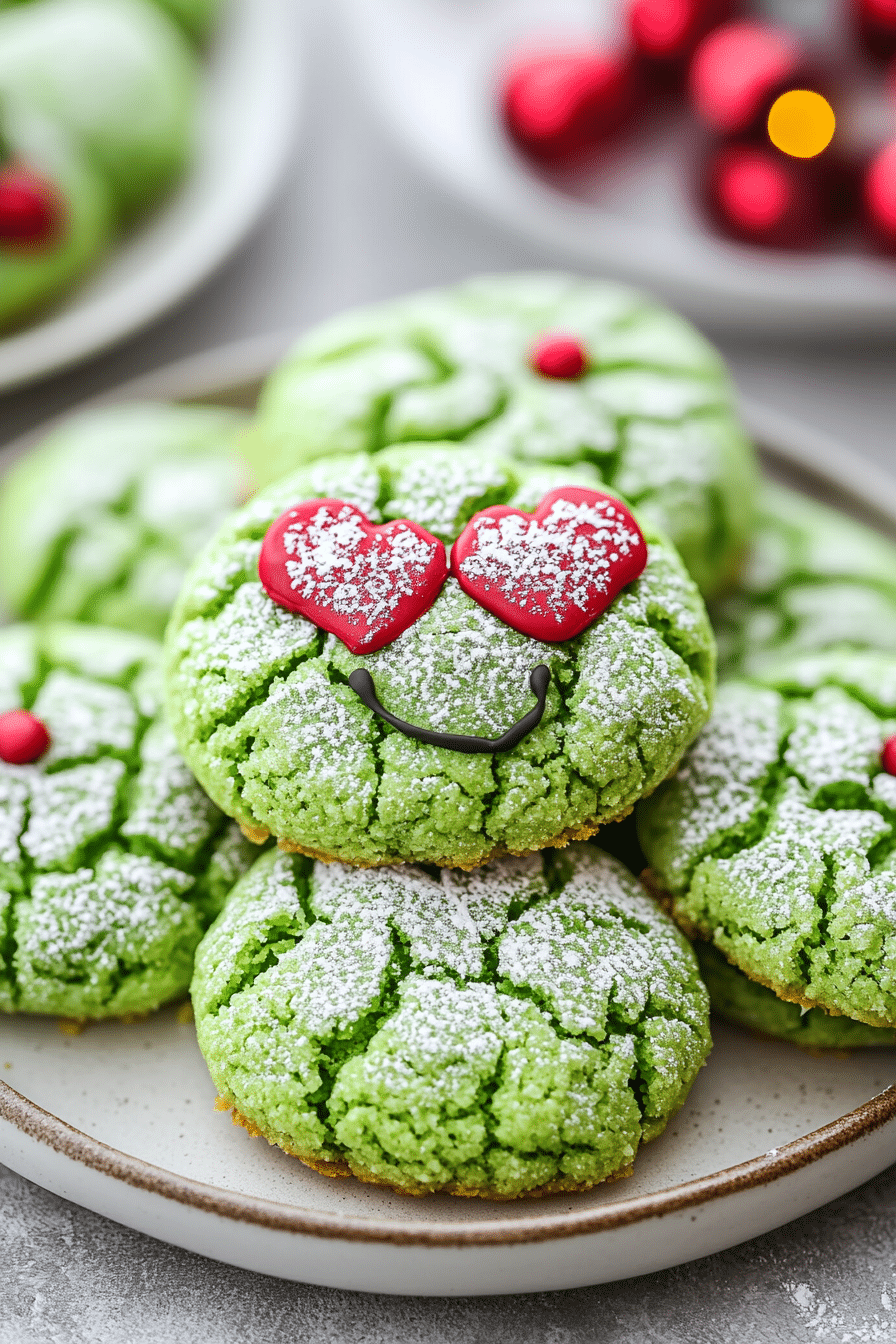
(737,72)
(30,210)
(879,196)
(888,755)
(559,102)
(23,737)
(559,356)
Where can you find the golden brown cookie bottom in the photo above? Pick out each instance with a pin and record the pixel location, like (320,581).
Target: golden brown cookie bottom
(339,1169)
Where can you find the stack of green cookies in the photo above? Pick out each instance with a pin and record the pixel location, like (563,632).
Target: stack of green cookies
(418,986)
(459,631)
(98,104)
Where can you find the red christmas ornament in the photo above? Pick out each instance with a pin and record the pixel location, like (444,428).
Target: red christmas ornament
(666,32)
(888,756)
(559,102)
(30,210)
(363,582)
(739,70)
(876,22)
(558,356)
(879,197)
(760,196)
(23,737)
(551,574)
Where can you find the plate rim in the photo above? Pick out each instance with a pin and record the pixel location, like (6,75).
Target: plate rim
(237,367)
(24,350)
(36,1123)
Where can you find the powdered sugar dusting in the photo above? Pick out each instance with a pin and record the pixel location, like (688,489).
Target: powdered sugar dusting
(788,791)
(97,922)
(386,1034)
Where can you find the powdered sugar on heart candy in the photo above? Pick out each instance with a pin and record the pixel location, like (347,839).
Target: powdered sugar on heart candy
(361,581)
(552,574)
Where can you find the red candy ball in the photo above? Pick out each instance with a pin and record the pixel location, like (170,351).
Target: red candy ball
(30,211)
(759,196)
(739,70)
(665,32)
(560,102)
(23,738)
(888,756)
(559,356)
(879,197)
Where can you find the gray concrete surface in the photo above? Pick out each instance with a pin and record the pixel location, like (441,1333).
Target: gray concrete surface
(354,222)
(70,1277)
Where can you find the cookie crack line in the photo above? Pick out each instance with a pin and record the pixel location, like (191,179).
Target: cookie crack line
(362,684)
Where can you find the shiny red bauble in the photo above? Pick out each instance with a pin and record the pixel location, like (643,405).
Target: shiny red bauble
(879,197)
(30,210)
(759,196)
(876,22)
(739,70)
(665,32)
(23,737)
(560,102)
(556,355)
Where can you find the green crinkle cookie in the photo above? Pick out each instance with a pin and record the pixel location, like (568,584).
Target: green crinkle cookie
(738,999)
(112,859)
(33,276)
(261,707)
(100,521)
(653,413)
(118,76)
(814,579)
(515,1030)
(777,839)
(196,17)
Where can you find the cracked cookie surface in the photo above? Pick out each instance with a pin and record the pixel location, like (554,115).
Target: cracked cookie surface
(517,1030)
(100,521)
(112,859)
(814,579)
(261,707)
(652,416)
(777,840)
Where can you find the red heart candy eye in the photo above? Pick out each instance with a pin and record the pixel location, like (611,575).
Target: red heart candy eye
(362,581)
(551,574)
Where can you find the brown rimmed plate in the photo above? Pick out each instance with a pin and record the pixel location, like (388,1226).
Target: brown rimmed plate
(120,1118)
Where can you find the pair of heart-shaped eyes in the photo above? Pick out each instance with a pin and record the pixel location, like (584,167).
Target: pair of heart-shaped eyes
(549,574)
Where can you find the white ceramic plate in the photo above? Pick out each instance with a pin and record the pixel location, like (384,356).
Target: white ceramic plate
(120,1118)
(248,119)
(432,68)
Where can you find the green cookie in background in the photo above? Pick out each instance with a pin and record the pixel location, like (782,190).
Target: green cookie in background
(118,76)
(100,521)
(653,412)
(33,275)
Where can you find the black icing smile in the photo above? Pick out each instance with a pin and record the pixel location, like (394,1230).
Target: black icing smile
(361,683)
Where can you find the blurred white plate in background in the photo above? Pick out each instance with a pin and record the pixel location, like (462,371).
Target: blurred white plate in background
(248,120)
(432,67)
